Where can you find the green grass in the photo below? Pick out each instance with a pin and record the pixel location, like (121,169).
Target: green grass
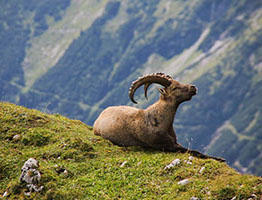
(94,164)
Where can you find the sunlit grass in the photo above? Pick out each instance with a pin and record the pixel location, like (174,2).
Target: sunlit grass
(95,168)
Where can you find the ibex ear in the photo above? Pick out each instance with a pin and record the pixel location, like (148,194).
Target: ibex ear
(162,91)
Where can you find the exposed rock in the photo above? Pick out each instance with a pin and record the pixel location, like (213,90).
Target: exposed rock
(31,176)
(16,137)
(253,196)
(194,198)
(173,163)
(183,182)
(5,194)
(202,170)
(65,172)
(123,164)
(191,158)
(188,162)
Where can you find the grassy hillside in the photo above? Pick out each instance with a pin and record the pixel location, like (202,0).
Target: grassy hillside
(96,169)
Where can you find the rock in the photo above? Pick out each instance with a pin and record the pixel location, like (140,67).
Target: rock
(183,182)
(60,169)
(16,137)
(202,170)
(32,187)
(123,164)
(5,194)
(188,162)
(194,198)
(30,163)
(191,158)
(65,172)
(27,193)
(31,176)
(173,163)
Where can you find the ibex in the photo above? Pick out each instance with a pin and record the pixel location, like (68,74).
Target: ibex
(152,127)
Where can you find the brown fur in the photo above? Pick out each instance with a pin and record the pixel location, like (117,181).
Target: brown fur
(152,127)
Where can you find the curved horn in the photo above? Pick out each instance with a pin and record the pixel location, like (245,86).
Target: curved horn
(147,80)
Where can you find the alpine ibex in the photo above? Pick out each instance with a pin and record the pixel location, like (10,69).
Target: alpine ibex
(152,127)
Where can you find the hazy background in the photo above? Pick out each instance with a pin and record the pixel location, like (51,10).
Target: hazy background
(78,57)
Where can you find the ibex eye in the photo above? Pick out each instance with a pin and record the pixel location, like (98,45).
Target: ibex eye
(174,88)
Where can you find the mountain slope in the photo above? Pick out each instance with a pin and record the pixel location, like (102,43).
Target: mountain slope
(74,163)
(19,21)
(215,45)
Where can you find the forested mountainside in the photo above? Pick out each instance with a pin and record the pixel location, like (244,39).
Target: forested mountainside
(78,57)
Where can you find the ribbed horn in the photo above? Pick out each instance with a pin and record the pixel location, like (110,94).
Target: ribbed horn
(147,80)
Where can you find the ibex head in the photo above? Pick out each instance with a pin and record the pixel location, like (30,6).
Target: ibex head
(173,91)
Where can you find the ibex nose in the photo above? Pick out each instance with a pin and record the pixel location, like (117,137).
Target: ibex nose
(193,89)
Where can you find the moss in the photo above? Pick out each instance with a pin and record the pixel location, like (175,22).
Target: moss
(36,138)
(226,193)
(76,164)
(14,187)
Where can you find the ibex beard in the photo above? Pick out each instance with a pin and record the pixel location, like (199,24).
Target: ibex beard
(153,126)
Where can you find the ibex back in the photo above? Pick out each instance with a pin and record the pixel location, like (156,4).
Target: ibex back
(152,127)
